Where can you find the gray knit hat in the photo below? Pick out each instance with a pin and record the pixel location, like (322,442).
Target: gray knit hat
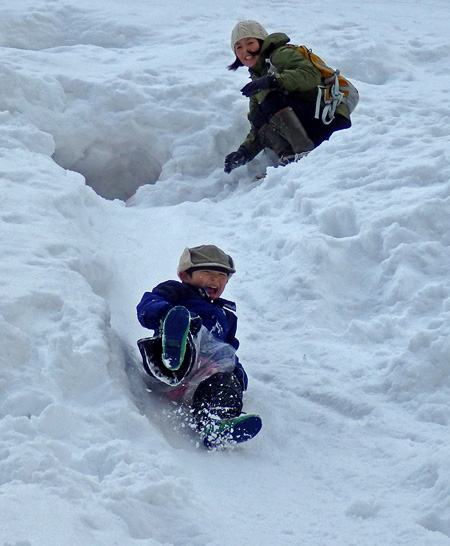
(206,257)
(247,29)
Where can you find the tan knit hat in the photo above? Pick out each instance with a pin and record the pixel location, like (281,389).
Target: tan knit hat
(247,29)
(206,257)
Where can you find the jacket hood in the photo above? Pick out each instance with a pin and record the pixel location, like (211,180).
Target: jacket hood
(277,39)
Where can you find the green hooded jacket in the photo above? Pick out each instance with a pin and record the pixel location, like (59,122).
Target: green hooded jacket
(296,76)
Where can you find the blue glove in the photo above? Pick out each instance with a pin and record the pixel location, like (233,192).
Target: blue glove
(255,86)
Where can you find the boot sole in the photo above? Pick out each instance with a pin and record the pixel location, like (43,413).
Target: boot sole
(174,337)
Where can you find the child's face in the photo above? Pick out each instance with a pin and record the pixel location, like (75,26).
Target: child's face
(214,282)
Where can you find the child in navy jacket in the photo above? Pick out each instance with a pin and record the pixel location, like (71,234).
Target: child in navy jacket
(195,331)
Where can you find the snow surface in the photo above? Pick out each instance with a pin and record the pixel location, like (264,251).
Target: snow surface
(343,286)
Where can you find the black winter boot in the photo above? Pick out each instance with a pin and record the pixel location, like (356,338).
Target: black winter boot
(287,124)
(270,138)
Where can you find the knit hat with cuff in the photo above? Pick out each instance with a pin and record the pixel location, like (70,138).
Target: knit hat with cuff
(247,29)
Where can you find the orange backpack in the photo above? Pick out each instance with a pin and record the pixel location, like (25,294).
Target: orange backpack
(333,90)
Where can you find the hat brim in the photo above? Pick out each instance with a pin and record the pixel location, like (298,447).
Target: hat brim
(212,267)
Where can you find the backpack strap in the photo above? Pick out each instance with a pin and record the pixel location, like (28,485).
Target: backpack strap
(271,69)
(330,93)
(330,96)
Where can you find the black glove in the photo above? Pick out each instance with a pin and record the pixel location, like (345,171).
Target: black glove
(255,86)
(241,375)
(195,325)
(236,159)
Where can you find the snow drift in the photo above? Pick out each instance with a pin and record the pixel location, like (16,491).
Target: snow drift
(115,119)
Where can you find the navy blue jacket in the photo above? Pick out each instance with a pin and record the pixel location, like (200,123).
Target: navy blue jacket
(217,315)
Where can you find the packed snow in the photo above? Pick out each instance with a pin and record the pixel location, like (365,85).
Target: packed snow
(115,118)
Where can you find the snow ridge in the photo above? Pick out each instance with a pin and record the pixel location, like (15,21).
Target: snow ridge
(115,118)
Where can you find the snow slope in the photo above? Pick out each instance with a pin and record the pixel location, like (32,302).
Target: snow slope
(114,121)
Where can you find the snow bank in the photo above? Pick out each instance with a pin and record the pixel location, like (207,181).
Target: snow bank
(342,284)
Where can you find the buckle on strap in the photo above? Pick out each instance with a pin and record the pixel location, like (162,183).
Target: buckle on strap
(335,97)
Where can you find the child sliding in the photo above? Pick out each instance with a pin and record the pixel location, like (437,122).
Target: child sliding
(192,356)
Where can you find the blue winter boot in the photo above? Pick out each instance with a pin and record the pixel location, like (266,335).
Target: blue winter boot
(227,432)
